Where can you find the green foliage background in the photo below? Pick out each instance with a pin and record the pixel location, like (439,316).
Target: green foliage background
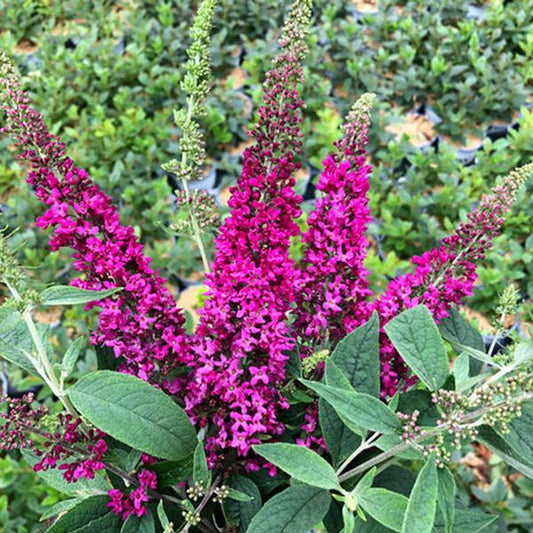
(106,76)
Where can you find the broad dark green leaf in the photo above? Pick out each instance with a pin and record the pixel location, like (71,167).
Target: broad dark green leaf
(240,513)
(89,516)
(60,507)
(461,368)
(67,295)
(499,446)
(458,331)
(416,337)
(294,365)
(15,341)
(144,524)
(300,463)
(520,436)
(386,442)
(295,510)
(334,377)
(419,400)
(135,413)
(384,506)
(357,356)
(422,505)
(172,472)
(466,521)
(446,497)
(200,469)
(340,440)
(239,496)
(396,479)
(82,488)
(358,410)
(17,356)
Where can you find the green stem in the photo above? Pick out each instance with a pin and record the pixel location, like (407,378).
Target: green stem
(197,235)
(395,450)
(44,367)
(361,448)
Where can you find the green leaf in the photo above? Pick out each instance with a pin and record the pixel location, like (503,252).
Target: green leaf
(16,341)
(300,463)
(82,488)
(89,516)
(239,496)
(135,413)
(523,352)
(200,469)
(419,400)
(17,356)
(348,519)
(386,442)
(134,524)
(384,506)
(294,365)
(396,479)
(72,354)
(340,440)
(458,331)
(466,521)
(416,337)
(520,435)
(295,510)
(162,515)
(357,356)
(59,507)
(172,472)
(238,512)
(461,368)
(446,497)
(500,447)
(67,295)
(366,481)
(358,409)
(334,377)
(422,506)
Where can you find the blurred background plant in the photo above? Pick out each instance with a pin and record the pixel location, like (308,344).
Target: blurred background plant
(454,85)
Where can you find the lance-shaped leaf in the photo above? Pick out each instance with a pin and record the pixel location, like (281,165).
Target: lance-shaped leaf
(300,463)
(67,295)
(416,337)
(135,413)
(422,505)
(358,410)
(295,510)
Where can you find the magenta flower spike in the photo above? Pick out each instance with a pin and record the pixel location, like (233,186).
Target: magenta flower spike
(243,337)
(445,275)
(142,324)
(332,286)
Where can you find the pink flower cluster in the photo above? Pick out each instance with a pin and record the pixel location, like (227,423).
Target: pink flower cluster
(444,276)
(78,454)
(133,503)
(260,306)
(142,325)
(332,287)
(63,444)
(243,338)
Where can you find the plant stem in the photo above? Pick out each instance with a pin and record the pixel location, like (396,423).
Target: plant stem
(203,503)
(395,450)
(361,448)
(196,228)
(44,367)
